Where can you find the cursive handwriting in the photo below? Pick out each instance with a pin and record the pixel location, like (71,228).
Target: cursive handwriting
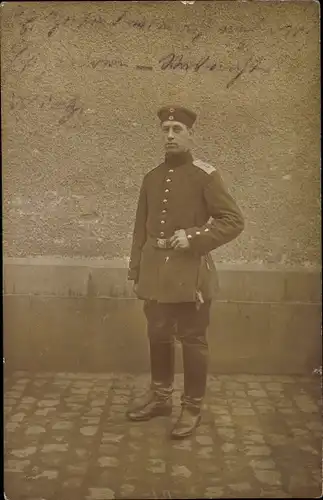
(53,20)
(177,62)
(252,64)
(68,106)
(24,59)
(27,25)
(287,30)
(108,63)
(173,61)
(69,110)
(160,24)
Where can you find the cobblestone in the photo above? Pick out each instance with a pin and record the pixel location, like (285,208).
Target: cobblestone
(257,393)
(227,447)
(258,450)
(254,438)
(79,469)
(25,452)
(49,448)
(181,470)
(66,437)
(35,429)
(89,430)
(156,465)
(240,487)
(63,425)
(268,476)
(214,492)
(45,411)
(243,411)
(18,417)
(262,464)
(108,462)
(226,432)
(12,427)
(100,494)
(73,482)
(204,440)
(205,452)
(16,465)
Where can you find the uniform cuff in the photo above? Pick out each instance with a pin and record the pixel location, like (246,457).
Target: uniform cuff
(196,232)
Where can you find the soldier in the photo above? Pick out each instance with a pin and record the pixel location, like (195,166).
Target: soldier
(184,211)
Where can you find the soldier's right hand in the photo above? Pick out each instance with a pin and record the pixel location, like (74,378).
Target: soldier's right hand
(135,289)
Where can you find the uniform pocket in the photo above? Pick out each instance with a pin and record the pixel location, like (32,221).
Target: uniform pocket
(178,276)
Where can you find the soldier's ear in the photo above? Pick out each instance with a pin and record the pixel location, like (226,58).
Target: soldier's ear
(191,131)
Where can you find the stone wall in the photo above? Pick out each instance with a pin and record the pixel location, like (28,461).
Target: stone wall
(82,315)
(81,84)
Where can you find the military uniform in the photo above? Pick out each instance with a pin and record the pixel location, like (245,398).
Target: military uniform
(178,285)
(186,195)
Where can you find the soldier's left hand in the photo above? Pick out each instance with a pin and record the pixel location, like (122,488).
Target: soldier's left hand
(179,240)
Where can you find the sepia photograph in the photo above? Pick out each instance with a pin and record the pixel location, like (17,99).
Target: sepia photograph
(162,296)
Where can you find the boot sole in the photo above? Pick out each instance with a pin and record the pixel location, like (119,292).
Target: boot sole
(144,418)
(186,434)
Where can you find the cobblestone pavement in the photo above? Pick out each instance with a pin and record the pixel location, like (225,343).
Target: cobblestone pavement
(66,438)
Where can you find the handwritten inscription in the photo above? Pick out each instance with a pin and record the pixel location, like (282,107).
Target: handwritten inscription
(127,19)
(25,56)
(24,60)
(178,62)
(286,30)
(124,20)
(156,24)
(171,62)
(139,22)
(68,106)
(175,61)
(108,63)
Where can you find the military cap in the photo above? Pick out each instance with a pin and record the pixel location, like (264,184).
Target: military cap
(178,114)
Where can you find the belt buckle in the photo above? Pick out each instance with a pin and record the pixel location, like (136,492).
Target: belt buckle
(161,243)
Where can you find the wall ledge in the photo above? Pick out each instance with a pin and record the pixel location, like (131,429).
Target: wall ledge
(66,277)
(123,263)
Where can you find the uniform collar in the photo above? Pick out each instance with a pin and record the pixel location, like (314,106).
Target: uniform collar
(175,160)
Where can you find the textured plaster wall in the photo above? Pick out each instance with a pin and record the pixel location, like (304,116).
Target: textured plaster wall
(81,83)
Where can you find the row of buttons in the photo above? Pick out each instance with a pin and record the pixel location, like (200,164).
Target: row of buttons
(165,200)
(190,236)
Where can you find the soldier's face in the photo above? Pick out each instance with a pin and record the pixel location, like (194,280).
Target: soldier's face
(177,137)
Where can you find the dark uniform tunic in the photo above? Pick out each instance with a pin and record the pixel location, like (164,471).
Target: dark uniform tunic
(187,195)
(178,285)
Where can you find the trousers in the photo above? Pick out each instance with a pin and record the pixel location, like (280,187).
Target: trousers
(186,322)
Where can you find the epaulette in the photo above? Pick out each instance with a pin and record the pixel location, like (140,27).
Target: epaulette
(204,166)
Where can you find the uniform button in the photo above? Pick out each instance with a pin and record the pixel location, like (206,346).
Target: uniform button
(171,170)
(166,190)
(189,236)
(198,232)
(165,200)
(162,222)
(206,230)
(162,234)
(168,180)
(164,211)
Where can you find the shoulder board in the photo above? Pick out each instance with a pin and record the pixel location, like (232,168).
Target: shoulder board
(204,166)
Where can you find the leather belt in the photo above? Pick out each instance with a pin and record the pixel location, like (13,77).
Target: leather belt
(163,243)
